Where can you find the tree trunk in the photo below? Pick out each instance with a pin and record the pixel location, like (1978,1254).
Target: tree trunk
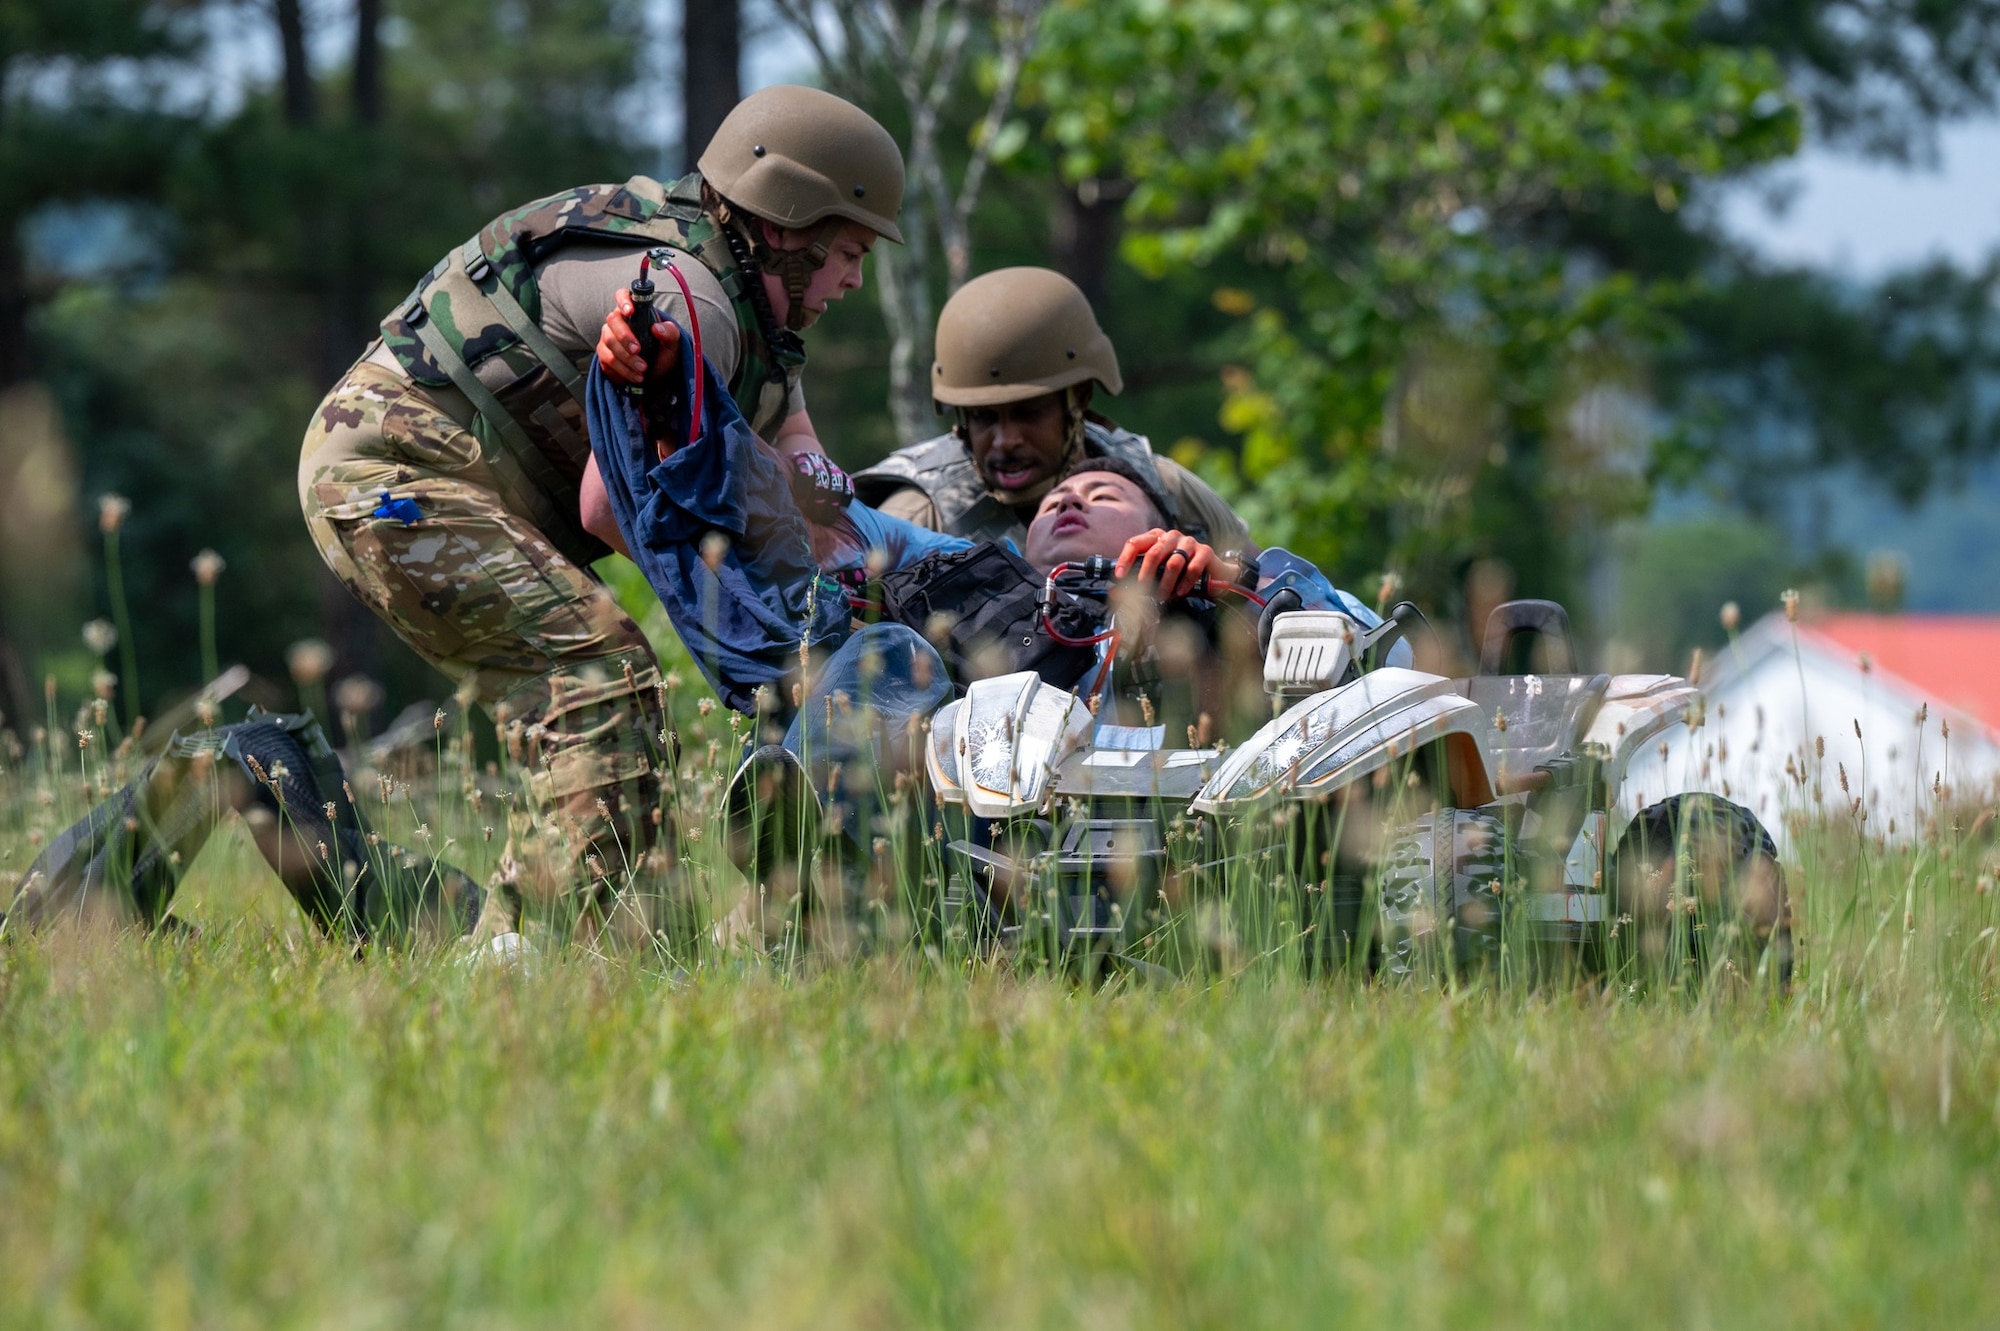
(367,62)
(1085,235)
(298,74)
(906,307)
(16,698)
(13,304)
(711,61)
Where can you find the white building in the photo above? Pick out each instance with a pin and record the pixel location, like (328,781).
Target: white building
(1905,707)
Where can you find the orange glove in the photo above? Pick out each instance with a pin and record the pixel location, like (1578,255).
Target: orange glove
(618,349)
(1179,564)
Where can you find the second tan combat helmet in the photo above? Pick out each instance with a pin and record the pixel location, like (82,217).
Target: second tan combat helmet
(795,156)
(1017,333)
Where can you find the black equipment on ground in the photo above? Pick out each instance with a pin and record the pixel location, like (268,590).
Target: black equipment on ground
(123,861)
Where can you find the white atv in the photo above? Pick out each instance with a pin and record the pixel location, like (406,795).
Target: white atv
(1418,824)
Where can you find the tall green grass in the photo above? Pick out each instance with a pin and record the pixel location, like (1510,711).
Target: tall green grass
(250,1127)
(241,1130)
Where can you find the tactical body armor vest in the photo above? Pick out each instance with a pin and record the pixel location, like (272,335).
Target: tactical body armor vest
(942,468)
(982,609)
(481,304)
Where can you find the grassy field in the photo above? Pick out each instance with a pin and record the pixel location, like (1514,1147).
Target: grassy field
(249,1127)
(241,1131)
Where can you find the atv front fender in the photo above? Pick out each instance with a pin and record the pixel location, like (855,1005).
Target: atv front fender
(1335,738)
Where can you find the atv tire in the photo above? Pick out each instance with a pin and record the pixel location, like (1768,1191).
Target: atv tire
(1700,896)
(1443,891)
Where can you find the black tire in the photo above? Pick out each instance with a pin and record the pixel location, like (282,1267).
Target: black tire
(1700,896)
(1440,911)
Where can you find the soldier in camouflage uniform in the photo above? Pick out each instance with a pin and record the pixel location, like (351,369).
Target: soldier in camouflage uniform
(1019,354)
(442,478)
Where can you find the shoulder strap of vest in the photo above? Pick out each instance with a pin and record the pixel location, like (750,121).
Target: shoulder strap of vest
(520,467)
(530,332)
(910,464)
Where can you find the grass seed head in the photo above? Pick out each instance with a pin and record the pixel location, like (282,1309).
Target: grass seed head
(112,510)
(356,696)
(309,660)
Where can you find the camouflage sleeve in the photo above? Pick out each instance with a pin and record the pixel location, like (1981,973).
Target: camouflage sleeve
(1198,503)
(580,287)
(913,506)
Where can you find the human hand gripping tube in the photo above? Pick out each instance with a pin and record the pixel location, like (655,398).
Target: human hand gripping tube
(660,398)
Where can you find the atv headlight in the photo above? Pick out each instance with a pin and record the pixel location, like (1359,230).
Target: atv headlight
(1274,751)
(1010,734)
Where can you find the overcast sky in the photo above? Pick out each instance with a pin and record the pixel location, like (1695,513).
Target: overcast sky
(1866,219)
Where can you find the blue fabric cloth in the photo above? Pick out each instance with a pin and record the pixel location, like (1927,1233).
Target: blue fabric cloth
(745,620)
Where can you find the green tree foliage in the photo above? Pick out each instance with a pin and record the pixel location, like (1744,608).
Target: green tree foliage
(81,117)
(1437,373)
(276,237)
(1677,576)
(1877,76)
(1779,372)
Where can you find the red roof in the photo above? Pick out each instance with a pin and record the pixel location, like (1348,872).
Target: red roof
(1953,659)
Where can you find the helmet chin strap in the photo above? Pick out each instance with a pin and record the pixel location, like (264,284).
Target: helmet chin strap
(741,234)
(794,268)
(1072,452)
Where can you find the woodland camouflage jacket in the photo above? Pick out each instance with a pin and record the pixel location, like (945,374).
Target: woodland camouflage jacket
(481,304)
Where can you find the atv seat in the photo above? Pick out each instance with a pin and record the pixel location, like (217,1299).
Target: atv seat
(1544,716)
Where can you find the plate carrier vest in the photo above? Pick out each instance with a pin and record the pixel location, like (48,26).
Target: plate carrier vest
(481,303)
(942,468)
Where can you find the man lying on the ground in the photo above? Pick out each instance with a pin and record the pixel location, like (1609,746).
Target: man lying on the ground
(746,583)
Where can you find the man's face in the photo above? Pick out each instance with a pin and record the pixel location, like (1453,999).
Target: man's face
(1094,513)
(840,274)
(1019,446)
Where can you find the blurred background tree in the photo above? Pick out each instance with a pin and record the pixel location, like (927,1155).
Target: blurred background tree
(1430,288)
(1492,323)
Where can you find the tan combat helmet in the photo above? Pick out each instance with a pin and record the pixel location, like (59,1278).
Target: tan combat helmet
(796,156)
(1017,333)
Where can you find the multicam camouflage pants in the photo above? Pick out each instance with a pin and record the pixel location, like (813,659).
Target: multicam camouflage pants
(478,590)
